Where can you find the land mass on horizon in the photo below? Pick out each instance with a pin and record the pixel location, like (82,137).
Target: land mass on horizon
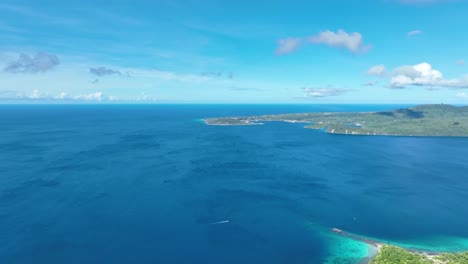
(421,120)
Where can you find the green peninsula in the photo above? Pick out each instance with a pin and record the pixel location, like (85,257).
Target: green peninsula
(394,255)
(422,120)
(389,254)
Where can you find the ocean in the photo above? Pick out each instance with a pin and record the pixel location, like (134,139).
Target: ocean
(154,184)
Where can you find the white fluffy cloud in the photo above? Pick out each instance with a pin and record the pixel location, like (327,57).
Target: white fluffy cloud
(424,75)
(414,32)
(288,45)
(377,70)
(340,39)
(324,92)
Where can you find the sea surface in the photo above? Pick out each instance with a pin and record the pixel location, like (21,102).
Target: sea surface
(154,184)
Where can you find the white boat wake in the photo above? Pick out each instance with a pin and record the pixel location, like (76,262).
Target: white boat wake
(220,222)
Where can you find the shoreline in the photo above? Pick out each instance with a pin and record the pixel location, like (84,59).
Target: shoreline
(372,243)
(332,132)
(432,120)
(435,257)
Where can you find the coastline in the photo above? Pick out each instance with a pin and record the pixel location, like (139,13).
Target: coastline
(419,121)
(331,132)
(374,246)
(389,250)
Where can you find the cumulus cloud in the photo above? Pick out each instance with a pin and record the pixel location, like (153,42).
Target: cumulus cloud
(288,45)
(340,39)
(377,70)
(424,75)
(40,62)
(414,33)
(324,92)
(462,95)
(103,71)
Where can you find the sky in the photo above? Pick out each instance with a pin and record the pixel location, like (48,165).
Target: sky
(200,51)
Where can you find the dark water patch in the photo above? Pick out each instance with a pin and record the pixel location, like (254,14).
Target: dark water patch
(177,151)
(86,199)
(56,133)
(63,167)
(231,165)
(140,141)
(44,251)
(229,235)
(22,148)
(388,192)
(27,188)
(299,187)
(291,144)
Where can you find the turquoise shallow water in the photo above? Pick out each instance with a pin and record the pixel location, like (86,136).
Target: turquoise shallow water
(340,249)
(432,244)
(144,184)
(346,250)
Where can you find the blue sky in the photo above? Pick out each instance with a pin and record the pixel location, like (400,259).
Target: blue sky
(348,51)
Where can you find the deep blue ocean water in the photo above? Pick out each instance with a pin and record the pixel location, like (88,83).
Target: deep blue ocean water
(149,184)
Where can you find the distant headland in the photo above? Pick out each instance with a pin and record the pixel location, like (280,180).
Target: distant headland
(421,120)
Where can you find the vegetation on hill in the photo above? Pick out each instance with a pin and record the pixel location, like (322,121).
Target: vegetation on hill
(423,120)
(395,255)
